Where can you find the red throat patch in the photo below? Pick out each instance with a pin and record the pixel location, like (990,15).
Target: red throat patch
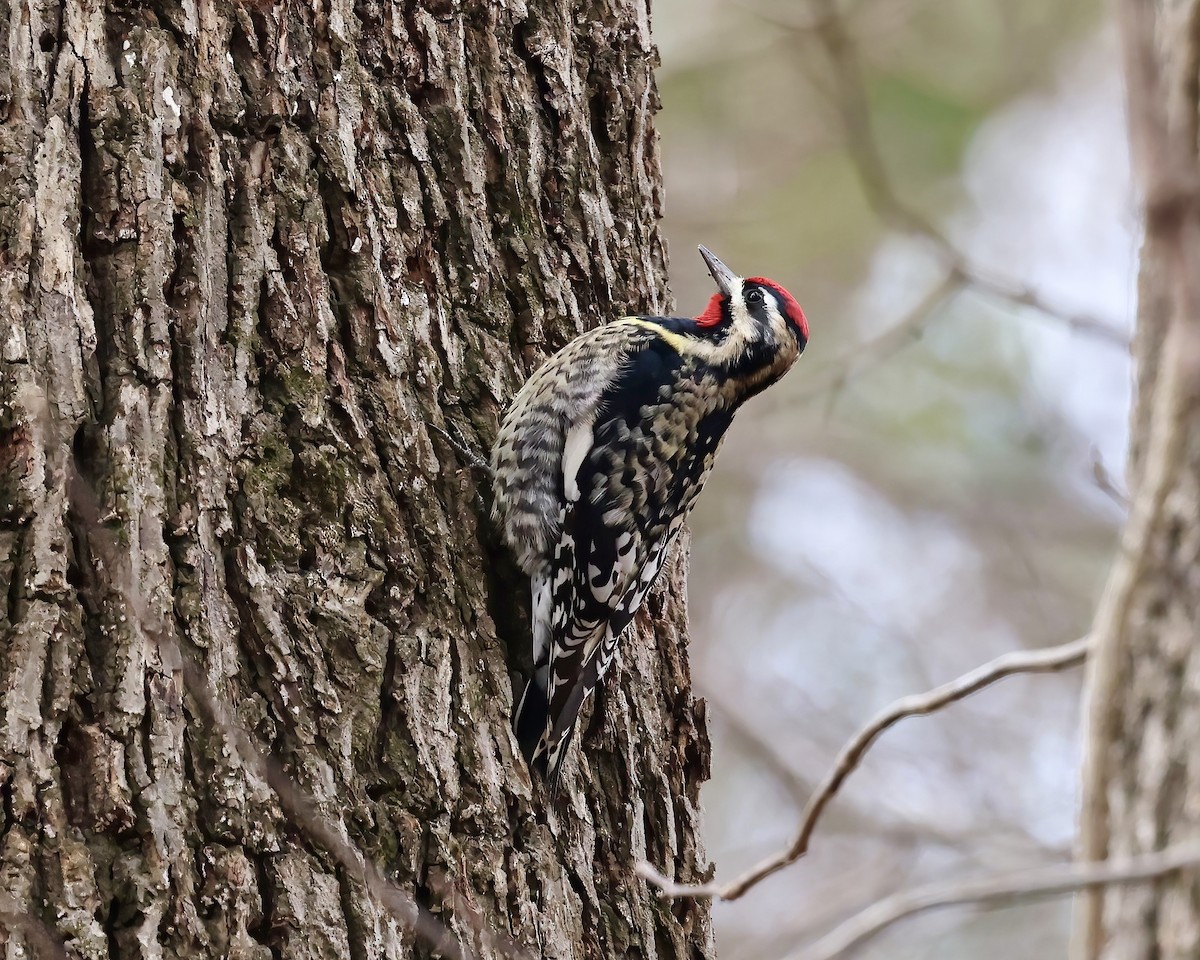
(790,306)
(712,314)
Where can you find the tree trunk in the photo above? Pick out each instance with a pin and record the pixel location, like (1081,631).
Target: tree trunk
(248,255)
(1142,773)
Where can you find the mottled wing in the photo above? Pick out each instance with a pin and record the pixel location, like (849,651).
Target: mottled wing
(652,445)
(540,445)
(528,455)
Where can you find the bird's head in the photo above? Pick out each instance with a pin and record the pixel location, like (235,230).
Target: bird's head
(751,310)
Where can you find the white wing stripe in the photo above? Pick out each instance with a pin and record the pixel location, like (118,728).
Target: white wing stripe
(579,442)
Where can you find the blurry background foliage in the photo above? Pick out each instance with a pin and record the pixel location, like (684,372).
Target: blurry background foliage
(903,508)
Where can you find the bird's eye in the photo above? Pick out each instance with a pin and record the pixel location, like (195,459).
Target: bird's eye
(754,295)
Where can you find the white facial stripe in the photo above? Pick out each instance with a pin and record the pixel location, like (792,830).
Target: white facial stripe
(744,330)
(778,322)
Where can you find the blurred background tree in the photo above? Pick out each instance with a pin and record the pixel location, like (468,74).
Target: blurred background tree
(921,495)
(1141,791)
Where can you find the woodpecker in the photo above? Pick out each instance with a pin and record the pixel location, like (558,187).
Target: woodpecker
(597,463)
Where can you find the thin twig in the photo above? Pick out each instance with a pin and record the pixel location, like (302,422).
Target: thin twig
(1165,170)
(867,159)
(879,348)
(1034,882)
(1023,661)
(1106,483)
(827,24)
(865,823)
(1022,295)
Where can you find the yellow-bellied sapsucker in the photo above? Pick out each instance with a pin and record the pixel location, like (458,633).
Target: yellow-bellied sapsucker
(599,460)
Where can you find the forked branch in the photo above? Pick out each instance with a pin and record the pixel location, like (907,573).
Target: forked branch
(826,23)
(918,705)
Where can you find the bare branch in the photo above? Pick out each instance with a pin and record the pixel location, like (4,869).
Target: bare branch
(1106,483)
(886,344)
(669,889)
(1163,148)
(783,768)
(827,24)
(1023,661)
(872,173)
(1022,884)
(1023,295)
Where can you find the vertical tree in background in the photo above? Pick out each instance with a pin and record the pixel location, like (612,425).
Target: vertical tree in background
(1142,778)
(249,254)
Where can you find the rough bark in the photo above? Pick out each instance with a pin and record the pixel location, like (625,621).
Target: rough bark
(1142,776)
(248,253)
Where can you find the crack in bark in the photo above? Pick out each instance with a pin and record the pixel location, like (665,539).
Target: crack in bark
(335,234)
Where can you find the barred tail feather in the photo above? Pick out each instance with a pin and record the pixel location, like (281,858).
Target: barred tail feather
(544,749)
(567,701)
(531,719)
(545,732)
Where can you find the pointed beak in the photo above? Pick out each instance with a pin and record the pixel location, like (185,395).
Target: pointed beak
(726,278)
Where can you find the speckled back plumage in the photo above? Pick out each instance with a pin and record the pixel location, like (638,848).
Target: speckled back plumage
(596,466)
(527,454)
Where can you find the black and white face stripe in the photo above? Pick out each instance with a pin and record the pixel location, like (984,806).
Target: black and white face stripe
(764,308)
(757,315)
